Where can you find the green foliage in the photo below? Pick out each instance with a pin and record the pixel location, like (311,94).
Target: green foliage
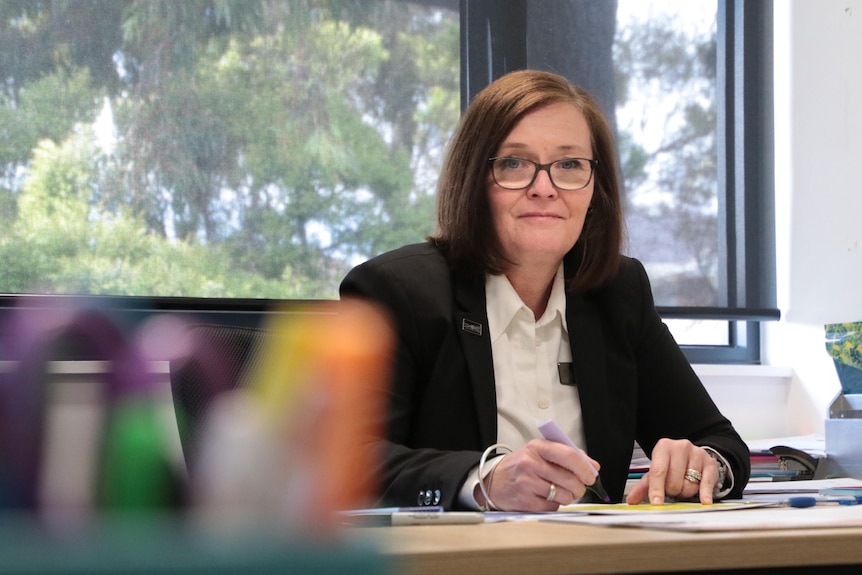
(49,108)
(39,39)
(64,243)
(260,146)
(844,343)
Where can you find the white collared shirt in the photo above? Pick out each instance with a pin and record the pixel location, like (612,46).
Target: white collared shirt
(525,354)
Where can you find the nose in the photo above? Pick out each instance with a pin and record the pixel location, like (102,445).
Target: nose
(542,185)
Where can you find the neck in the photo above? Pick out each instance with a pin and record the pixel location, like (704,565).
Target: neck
(533,287)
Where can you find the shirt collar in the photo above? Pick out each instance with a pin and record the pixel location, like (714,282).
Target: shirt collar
(557,301)
(503,303)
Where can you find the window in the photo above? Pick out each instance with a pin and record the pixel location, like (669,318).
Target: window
(223,152)
(218,148)
(688,86)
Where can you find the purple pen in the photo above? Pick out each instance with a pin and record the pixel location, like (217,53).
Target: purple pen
(552,432)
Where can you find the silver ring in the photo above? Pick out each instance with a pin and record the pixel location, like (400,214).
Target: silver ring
(552,492)
(693,475)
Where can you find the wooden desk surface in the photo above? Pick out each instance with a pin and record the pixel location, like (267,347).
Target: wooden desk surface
(546,548)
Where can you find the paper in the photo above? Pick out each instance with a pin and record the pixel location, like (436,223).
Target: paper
(789,487)
(764,518)
(667,508)
(584,510)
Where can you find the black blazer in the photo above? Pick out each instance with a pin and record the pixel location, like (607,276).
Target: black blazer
(633,381)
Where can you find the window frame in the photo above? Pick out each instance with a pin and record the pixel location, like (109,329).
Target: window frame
(494,42)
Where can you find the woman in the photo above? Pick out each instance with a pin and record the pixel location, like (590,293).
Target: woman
(521,309)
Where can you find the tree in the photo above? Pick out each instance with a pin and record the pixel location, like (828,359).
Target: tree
(274,142)
(666,78)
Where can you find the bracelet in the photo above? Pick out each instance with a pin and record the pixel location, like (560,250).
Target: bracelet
(725,476)
(488,503)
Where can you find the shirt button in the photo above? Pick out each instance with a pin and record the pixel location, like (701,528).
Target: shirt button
(543,404)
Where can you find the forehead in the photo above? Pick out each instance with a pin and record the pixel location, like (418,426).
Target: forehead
(558,126)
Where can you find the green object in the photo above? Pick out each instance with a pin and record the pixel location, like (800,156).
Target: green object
(844,345)
(136,473)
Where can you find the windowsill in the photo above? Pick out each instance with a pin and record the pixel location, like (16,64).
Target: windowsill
(739,370)
(756,398)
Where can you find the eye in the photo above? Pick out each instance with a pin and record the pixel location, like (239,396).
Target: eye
(513,164)
(573,164)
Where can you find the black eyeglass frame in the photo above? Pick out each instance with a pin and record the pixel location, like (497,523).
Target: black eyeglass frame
(544,167)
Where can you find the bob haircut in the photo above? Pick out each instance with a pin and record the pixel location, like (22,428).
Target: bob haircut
(465,232)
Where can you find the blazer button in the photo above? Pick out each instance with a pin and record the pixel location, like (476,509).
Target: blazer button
(425,497)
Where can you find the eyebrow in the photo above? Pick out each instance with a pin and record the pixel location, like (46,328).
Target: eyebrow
(516,147)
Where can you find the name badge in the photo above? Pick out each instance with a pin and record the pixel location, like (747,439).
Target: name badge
(567,373)
(471,327)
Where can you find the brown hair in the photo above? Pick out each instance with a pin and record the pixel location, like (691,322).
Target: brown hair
(465,232)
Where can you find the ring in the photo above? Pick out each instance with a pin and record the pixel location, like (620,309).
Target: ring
(693,475)
(552,492)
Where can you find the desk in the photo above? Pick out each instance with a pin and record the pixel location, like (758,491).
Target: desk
(545,548)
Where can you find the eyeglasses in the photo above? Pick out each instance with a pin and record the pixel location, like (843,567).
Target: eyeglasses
(514,173)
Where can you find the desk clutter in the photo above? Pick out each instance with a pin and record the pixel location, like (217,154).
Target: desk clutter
(275,438)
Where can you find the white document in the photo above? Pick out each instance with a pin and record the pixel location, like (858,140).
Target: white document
(763,518)
(791,487)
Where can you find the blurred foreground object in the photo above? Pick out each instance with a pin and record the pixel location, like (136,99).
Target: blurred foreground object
(71,449)
(286,435)
(294,442)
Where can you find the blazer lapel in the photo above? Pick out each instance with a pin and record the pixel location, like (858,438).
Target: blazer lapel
(588,359)
(471,323)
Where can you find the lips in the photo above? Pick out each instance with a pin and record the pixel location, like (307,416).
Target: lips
(541,215)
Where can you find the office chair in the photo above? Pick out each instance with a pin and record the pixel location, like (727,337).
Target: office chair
(220,358)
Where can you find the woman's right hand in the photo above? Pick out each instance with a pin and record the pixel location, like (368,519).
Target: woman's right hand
(523,479)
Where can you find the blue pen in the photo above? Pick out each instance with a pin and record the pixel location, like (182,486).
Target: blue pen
(803,501)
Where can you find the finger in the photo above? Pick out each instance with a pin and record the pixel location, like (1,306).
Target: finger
(564,467)
(681,460)
(691,482)
(708,482)
(559,495)
(573,459)
(639,491)
(658,476)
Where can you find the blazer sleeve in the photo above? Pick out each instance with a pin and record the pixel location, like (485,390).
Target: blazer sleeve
(431,443)
(672,401)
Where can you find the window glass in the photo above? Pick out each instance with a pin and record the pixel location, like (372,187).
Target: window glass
(259,149)
(652,65)
(218,148)
(665,56)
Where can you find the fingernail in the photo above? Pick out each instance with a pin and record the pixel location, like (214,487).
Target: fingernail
(656,500)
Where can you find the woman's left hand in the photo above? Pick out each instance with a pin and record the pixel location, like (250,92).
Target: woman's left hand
(678,469)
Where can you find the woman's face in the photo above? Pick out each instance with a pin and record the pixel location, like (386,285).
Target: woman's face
(538,225)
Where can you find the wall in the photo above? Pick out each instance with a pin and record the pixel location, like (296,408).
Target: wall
(818,179)
(754,398)
(818,188)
